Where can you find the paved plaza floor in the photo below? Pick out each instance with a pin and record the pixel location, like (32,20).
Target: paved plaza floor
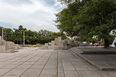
(32,62)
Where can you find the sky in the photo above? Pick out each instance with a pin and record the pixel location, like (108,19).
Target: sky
(32,14)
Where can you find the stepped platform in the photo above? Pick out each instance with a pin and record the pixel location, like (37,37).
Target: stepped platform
(102,58)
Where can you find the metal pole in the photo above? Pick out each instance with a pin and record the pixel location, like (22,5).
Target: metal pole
(23,38)
(2,34)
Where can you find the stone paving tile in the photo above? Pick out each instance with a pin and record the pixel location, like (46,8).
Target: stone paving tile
(31,73)
(52,62)
(9,76)
(41,62)
(48,75)
(33,59)
(9,66)
(39,66)
(79,63)
(49,71)
(41,59)
(60,65)
(54,66)
(67,65)
(15,72)
(3,71)
(23,66)
(81,68)
(28,62)
(61,74)
(16,63)
(2,65)
(72,74)
(87,73)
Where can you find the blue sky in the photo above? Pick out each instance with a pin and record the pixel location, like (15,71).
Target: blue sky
(32,14)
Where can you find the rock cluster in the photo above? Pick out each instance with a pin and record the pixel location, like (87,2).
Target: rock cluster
(59,44)
(8,46)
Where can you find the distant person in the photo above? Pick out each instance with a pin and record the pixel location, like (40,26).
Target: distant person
(95,44)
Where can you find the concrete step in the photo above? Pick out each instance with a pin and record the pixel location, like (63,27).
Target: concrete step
(101,61)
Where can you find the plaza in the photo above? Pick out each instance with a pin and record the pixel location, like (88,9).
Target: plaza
(33,62)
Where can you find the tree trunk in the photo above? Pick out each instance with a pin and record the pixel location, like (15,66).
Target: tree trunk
(106,43)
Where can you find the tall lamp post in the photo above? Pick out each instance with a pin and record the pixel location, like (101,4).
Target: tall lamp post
(24,38)
(2,34)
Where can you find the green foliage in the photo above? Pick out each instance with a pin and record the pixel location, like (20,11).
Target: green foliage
(93,40)
(28,41)
(88,18)
(31,37)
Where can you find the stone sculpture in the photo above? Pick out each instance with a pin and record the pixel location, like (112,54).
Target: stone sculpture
(59,44)
(8,46)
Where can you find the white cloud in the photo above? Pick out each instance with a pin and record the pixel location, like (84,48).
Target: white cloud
(35,15)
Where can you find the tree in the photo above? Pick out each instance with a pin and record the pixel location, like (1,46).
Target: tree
(98,19)
(47,36)
(7,33)
(32,37)
(88,18)
(67,18)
